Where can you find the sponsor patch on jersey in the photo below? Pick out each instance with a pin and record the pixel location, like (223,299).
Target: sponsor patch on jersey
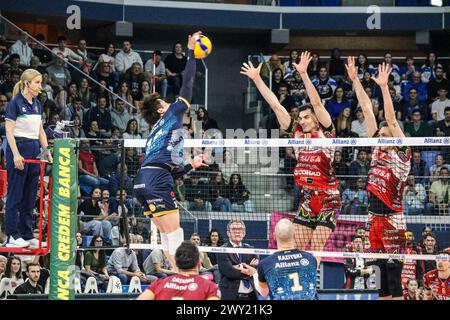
(304,262)
(192,287)
(139,186)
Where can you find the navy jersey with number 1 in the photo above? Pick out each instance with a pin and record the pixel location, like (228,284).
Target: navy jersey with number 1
(290,275)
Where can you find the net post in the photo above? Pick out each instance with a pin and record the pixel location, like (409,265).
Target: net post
(121,203)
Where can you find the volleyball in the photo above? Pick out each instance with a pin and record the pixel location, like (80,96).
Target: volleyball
(203,47)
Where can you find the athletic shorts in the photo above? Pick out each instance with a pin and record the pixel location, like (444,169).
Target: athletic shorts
(318,208)
(387,233)
(153,187)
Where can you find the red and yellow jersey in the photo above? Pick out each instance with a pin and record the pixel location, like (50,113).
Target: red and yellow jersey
(440,288)
(388,173)
(181,287)
(315,164)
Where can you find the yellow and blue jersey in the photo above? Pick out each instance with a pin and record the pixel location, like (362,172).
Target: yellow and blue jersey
(165,143)
(289,275)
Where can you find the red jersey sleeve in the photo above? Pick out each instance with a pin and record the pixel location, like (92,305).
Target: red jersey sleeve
(212,290)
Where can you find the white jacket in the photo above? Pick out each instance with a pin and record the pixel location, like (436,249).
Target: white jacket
(24,51)
(124,60)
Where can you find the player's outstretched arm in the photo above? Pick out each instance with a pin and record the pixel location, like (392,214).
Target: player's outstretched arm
(189,71)
(363,98)
(254,73)
(302,67)
(384,70)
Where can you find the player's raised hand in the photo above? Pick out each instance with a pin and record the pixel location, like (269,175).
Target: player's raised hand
(192,38)
(352,69)
(302,66)
(384,70)
(250,71)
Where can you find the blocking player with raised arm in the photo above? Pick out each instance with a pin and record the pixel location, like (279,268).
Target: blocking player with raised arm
(389,170)
(289,274)
(187,284)
(163,161)
(437,282)
(320,201)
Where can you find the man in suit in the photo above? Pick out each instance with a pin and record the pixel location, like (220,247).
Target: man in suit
(237,269)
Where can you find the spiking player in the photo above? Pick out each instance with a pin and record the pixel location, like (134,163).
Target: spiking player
(288,274)
(314,174)
(389,170)
(163,161)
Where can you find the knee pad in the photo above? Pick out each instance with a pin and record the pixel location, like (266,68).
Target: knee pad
(164,241)
(175,238)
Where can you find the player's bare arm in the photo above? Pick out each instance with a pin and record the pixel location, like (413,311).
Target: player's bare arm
(302,67)
(254,74)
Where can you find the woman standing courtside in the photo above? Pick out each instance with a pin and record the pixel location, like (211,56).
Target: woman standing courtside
(25,136)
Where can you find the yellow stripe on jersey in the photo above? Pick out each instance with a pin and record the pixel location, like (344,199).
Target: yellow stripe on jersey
(214,298)
(185,101)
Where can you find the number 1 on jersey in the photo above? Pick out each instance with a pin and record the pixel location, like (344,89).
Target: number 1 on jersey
(295,278)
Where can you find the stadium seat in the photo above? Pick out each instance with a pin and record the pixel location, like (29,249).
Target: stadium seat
(47,286)
(77,285)
(114,285)
(135,285)
(91,285)
(5,288)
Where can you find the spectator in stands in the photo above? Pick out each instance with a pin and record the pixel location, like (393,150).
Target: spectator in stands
(430,247)
(125,95)
(419,168)
(360,166)
(13,271)
(99,226)
(428,70)
(289,69)
(120,117)
(197,194)
(368,82)
(395,69)
(72,93)
(87,168)
(45,86)
(442,128)
(336,65)
(160,73)
(175,64)
(66,53)
(31,286)
(375,102)
(425,230)
(354,198)
(357,272)
(412,291)
(236,282)
(141,230)
(436,84)
(22,48)
(343,123)
(438,106)
(358,126)
(74,108)
(229,165)
(414,197)
(219,192)
(440,193)
(314,66)
(417,127)
(87,70)
(340,166)
(439,163)
(102,116)
(206,121)
(144,92)
(416,84)
(75,130)
(95,263)
(58,75)
(287,165)
(7,86)
(92,132)
(108,57)
(207,269)
(48,107)
(337,103)
(109,210)
(407,71)
(82,51)
(273,64)
(239,195)
(126,57)
(124,265)
(84,92)
(35,64)
(363,66)
(277,80)
(3,261)
(157,265)
(213,239)
(42,53)
(105,73)
(284,97)
(325,85)
(412,104)
(134,76)
(132,161)
(131,131)
(297,89)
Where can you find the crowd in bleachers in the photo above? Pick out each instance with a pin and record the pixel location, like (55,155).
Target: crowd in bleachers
(419,92)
